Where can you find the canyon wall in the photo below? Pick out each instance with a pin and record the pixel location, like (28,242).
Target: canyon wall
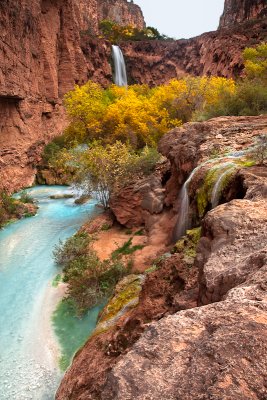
(216,53)
(198,326)
(236,11)
(43,54)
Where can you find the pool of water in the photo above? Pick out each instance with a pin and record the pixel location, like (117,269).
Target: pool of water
(28,353)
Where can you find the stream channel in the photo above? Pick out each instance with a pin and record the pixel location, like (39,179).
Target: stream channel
(29,351)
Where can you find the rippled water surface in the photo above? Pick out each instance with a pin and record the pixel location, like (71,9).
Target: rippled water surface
(28,367)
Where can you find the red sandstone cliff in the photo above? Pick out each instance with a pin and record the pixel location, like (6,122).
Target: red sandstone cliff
(236,11)
(41,58)
(122,12)
(214,53)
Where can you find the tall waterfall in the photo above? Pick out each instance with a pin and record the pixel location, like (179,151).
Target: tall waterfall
(120,76)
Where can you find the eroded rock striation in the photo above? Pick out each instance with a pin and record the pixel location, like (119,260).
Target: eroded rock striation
(236,11)
(216,53)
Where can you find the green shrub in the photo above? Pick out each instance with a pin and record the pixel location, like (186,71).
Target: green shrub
(259,151)
(74,247)
(26,198)
(9,208)
(89,279)
(52,149)
(116,33)
(126,249)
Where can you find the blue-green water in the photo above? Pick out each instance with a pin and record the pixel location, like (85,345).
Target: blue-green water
(28,365)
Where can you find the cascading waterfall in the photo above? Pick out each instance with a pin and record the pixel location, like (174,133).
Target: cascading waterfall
(120,75)
(216,192)
(184,223)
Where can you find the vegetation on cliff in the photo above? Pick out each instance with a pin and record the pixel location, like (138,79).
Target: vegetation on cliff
(139,115)
(250,94)
(116,33)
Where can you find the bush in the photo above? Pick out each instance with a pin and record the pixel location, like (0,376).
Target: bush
(103,170)
(250,98)
(26,198)
(52,149)
(259,151)
(116,33)
(73,248)
(11,208)
(89,279)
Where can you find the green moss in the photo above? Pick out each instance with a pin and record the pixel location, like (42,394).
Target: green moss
(187,245)
(105,227)
(126,249)
(151,269)
(204,192)
(246,163)
(139,233)
(57,279)
(127,293)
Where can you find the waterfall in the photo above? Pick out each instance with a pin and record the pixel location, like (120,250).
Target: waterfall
(120,76)
(183,223)
(216,192)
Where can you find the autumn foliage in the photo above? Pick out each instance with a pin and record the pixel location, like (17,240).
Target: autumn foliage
(139,115)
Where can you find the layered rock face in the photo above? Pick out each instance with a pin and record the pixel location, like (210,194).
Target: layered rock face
(43,54)
(236,11)
(209,335)
(122,12)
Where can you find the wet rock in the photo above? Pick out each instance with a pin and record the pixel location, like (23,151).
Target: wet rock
(86,378)
(237,232)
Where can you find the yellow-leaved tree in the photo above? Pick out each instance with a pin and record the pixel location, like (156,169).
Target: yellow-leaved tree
(103,169)
(86,106)
(256,62)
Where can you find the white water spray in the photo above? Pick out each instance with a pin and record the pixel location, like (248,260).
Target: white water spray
(216,192)
(120,76)
(184,220)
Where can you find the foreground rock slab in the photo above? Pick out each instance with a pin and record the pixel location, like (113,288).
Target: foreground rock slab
(214,352)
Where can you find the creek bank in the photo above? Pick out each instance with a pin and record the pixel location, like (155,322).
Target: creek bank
(177,285)
(12,210)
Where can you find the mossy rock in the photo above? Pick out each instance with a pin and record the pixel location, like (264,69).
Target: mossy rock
(82,199)
(61,196)
(187,245)
(126,297)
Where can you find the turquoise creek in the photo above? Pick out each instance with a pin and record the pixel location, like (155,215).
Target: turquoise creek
(29,353)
